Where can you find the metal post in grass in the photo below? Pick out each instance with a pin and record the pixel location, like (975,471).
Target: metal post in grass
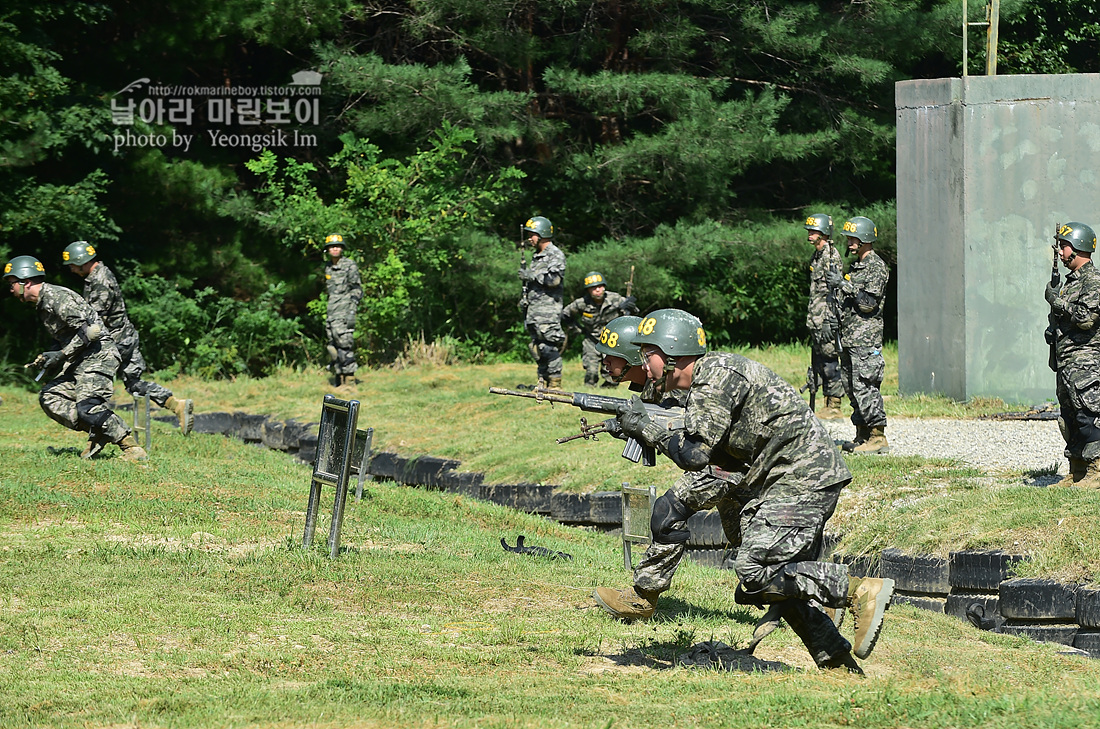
(360,461)
(142,431)
(637,512)
(335,449)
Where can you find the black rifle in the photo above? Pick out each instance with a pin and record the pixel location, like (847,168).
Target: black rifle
(521,247)
(1051,334)
(671,418)
(812,383)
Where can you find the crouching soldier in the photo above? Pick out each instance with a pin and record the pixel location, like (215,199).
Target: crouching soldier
(86,354)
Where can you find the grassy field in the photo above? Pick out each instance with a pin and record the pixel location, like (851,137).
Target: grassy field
(173,593)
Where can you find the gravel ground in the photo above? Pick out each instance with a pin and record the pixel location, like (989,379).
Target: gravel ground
(993,445)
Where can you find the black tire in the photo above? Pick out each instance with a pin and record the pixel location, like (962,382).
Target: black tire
(600,507)
(715,558)
(933,604)
(1063,633)
(978,570)
(920,573)
(1088,640)
(862,566)
(1037,599)
(217,423)
(1088,608)
(705,529)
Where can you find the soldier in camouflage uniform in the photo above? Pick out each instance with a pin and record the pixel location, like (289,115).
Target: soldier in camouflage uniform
(862,295)
(1075,339)
(741,417)
(588,315)
(821,318)
(541,300)
(345,290)
(77,398)
(102,291)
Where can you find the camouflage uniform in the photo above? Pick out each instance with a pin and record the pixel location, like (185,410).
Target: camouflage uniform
(589,318)
(345,290)
(746,420)
(1077,349)
(78,397)
(541,304)
(862,295)
(822,323)
(102,291)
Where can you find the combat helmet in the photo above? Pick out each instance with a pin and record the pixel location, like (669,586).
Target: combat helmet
(820,222)
(592,279)
(23,268)
(1079,236)
(615,339)
(334,239)
(78,253)
(862,229)
(676,332)
(540,226)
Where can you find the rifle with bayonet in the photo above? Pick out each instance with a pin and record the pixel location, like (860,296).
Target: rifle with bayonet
(671,418)
(521,246)
(1051,333)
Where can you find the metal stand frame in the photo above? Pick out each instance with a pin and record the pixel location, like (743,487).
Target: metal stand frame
(142,421)
(360,459)
(335,449)
(637,512)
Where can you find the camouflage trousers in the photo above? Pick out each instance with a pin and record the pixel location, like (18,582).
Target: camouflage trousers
(862,369)
(781,543)
(826,363)
(340,330)
(1079,419)
(132,368)
(593,363)
(698,490)
(547,338)
(78,398)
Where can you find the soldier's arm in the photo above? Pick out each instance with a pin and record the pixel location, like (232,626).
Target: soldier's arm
(1084,310)
(871,287)
(708,416)
(549,271)
(88,326)
(355,282)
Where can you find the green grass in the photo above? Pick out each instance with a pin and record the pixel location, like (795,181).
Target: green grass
(173,593)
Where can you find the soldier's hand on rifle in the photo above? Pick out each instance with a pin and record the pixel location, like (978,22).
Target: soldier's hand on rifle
(633,418)
(833,278)
(1051,295)
(828,332)
(526,274)
(612,427)
(629,305)
(46,360)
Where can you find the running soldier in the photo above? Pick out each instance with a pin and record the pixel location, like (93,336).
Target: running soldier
(588,315)
(743,418)
(541,300)
(345,291)
(1075,342)
(84,353)
(821,314)
(102,291)
(862,296)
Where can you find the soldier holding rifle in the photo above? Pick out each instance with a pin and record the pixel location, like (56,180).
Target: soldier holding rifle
(541,302)
(1075,350)
(822,319)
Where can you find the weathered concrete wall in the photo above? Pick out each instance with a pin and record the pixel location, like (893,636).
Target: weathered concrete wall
(987,166)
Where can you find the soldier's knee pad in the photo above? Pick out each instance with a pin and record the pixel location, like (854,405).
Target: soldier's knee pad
(84,412)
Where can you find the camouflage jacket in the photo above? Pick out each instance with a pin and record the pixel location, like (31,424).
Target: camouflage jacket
(590,318)
(71,321)
(818,312)
(755,424)
(342,283)
(544,291)
(1077,336)
(102,291)
(862,295)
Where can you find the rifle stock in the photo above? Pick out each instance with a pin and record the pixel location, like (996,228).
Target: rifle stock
(635,451)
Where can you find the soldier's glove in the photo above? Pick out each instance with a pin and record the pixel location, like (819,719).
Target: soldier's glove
(611,427)
(629,305)
(1048,335)
(633,418)
(47,360)
(1057,303)
(833,278)
(828,333)
(526,274)
(667,522)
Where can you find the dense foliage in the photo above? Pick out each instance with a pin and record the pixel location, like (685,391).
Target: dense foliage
(686,138)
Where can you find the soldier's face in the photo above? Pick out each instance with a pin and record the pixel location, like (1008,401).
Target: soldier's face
(597,292)
(335,251)
(854,244)
(24,291)
(1065,252)
(815,237)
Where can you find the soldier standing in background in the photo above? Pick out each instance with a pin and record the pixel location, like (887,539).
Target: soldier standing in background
(821,318)
(102,291)
(84,352)
(345,291)
(541,300)
(1075,340)
(588,315)
(862,295)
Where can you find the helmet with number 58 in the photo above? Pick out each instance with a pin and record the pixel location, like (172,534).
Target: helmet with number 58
(615,339)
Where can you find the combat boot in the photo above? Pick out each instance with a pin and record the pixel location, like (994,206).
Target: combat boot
(96,443)
(554,383)
(862,433)
(184,410)
(868,598)
(831,411)
(1090,479)
(875,443)
(347,381)
(1077,469)
(131,451)
(630,604)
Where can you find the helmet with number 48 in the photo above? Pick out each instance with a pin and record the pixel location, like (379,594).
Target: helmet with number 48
(674,331)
